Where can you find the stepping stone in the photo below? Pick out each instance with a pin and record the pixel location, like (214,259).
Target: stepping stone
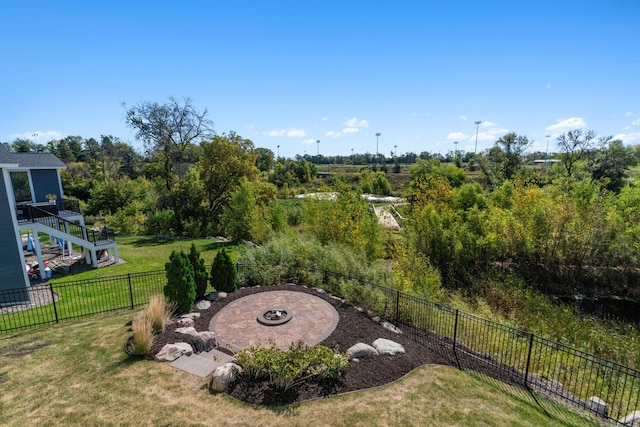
(218,356)
(196,364)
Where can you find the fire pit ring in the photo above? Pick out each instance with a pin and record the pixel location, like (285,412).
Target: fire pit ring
(275,316)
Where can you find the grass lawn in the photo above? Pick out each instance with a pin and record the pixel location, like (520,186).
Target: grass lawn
(76,373)
(146,253)
(142,255)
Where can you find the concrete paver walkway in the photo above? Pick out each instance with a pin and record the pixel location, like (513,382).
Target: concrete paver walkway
(236,325)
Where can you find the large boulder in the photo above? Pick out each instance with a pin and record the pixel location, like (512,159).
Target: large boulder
(205,341)
(215,296)
(598,406)
(361,350)
(171,352)
(187,331)
(632,420)
(390,327)
(223,376)
(190,315)
(385,346)
(185,322)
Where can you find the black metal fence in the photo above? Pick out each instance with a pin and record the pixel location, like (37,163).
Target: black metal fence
(52,303)
(557,371)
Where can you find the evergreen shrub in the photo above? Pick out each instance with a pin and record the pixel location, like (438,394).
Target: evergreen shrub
(224,276)
(180,288)
(200,273)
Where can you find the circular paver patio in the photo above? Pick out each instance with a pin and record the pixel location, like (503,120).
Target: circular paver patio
(236,325)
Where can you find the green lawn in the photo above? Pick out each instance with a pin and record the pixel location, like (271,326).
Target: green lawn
(76,373)
(113,286)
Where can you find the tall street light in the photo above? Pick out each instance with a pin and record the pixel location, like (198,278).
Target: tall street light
(377,136)
(546,157)
(278,152)
(318,151)
(477,122)
(455,143)
(395,151)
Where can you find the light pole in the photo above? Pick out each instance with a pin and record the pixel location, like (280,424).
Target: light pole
(278,153)
(455,143)
(377,136)
(395,151)
(477,122)
(546,157)
(318,151)
(352,156)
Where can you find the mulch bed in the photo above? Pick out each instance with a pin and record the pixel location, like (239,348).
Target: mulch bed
(354,326)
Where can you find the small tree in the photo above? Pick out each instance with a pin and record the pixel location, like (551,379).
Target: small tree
(223,273)
(180,288)
(200,274)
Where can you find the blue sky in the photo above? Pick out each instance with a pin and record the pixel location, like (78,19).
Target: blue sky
(290,73)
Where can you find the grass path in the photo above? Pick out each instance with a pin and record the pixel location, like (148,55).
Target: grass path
(77,374)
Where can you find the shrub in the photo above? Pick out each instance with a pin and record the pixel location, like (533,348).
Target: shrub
(223,273)
(142,339)
(159,313)
(286,369)
(180,288)
(200,274)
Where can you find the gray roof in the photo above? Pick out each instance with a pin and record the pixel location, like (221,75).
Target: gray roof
(31,160)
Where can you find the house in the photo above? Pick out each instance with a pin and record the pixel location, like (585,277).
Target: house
(32,200)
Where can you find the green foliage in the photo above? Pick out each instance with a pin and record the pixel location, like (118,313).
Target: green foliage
(433,168)
(301,259)
(290,368)
(346,220)
(243,217)
(180,288)
(381,184)
(200,274)
(288,172)
(224,276)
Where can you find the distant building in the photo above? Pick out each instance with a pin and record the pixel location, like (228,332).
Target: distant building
(547,162)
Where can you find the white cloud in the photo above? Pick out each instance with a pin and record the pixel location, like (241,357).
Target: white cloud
(628,114)
(332,134)
(355,123)
(636,122)
(491,134)
(296,133)
(39,137)
(567,124)
(350,130)
(628,138)
(456,136)
(547,86)
(463,117)
(488,124)
(324,119)
(291,133)
(308,141)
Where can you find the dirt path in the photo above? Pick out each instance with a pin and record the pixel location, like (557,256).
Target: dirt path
(386,218)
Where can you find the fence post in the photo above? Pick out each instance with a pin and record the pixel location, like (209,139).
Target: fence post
(130,289)
(455,335)
(526,370)
(53,299)
(397,316)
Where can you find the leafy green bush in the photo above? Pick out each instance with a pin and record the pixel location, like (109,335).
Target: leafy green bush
(200,274)
(180,288)
(224,276)
(286,369)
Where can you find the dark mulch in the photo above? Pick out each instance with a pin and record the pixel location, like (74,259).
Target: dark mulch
(354,326)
